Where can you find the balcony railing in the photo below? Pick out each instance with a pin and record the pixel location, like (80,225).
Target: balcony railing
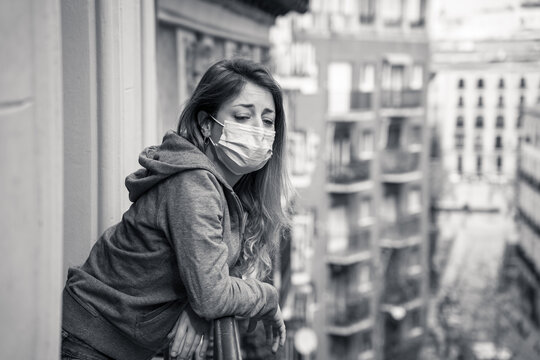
(357,241)
(355,171)
(361,100)
(225,341)
(399,161)
(401,98)
(403,228)
(367,18)
(401,291)
(349,310)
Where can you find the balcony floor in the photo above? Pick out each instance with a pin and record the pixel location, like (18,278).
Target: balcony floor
(402,178)
(399,244)
(350,329)
(348,258)
(349,188)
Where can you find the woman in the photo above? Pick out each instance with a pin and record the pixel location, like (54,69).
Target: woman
(207,200)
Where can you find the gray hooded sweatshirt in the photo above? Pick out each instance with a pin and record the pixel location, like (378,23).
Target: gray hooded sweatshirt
(173,246)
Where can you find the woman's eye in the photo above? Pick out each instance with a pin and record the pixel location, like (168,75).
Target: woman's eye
(242,117)
(268,122)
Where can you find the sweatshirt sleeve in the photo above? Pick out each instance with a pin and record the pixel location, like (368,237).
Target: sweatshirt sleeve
(190,214)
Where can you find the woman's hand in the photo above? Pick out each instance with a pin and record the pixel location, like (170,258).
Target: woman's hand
(274,328)
(187,334)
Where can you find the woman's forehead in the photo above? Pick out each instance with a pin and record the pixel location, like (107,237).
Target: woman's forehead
(253,95)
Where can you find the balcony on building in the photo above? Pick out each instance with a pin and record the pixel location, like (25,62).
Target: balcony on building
(350,177)
(399,165)
(349,308)
(348,99)
(402,84)
(403,328)
(358,346)
(401,291)
(405,98)
(346,248)
(402,232)
(350,314)
(401,157)
(361,100)
(349,169)
(402,338)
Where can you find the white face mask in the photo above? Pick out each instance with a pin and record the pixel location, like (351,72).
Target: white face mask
(243,148)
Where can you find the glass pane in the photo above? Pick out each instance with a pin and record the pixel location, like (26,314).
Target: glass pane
(339,87)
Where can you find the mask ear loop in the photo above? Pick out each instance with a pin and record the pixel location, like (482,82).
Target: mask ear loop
(216,120)
(208,139)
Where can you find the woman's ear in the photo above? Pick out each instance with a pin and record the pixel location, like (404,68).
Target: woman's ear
(204,123)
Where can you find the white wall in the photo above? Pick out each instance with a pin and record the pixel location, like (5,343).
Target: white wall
(110,112)
(31,181)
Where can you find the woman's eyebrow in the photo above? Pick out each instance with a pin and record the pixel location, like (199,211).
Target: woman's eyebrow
(251,106)
(245,105)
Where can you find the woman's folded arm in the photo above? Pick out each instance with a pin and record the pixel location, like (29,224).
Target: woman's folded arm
(191,216)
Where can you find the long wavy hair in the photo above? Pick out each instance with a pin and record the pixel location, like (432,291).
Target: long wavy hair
(262,192)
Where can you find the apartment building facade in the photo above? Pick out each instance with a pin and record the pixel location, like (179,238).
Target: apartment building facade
(519,299)
(358,73)
(478,111)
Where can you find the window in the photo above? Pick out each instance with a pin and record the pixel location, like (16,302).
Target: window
(500,103)
(340,152)
(522,83)
(501,83)
(499,123)
(416,134)
(392,12)
(522,101)
(302,242)
(479,123)
(460,164)
(461,84)
(499,164)
(366,146)
(367,78)
(480,101)
(414,202)
(519,121)
(417,77)
(394,134)
(390,207)
(498,142)
(393,77)
(460,101)
(367,11)
(480,84)
(415,12)
(479,165)
(459,122)
(365,209)
(478,143)
(339,87)
(365,341)
(364,276)
(415,318)
(338,228)
(460,140)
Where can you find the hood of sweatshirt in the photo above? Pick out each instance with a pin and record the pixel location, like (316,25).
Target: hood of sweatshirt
(174,155)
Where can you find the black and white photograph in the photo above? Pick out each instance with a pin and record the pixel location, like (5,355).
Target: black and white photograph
(270,179)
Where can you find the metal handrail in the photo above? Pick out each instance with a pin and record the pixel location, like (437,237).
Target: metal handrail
(226,339)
